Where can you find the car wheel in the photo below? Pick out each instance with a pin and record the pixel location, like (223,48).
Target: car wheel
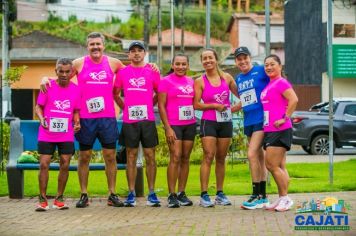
(320,145)
(307,149)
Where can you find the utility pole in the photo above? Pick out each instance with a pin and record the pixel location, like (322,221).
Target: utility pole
(331,102)
(6,91)
(267,28)
(182,28)
(172,30)
(207,27)
(146,36)
(159,29)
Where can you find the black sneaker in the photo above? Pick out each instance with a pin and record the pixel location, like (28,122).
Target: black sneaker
(114,200)
(83,201)
(184,200)
(173,201)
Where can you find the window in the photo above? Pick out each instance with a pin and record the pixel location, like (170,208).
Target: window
(350,110)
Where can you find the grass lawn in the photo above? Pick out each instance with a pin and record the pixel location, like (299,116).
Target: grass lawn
(305,177)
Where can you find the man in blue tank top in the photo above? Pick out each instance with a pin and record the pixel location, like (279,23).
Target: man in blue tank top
(250,83)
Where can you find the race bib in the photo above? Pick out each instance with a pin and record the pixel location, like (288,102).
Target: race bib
(58,125)
(266,118)
(186,113)
(224,116)
(95,104)
(248,97)
(138,112)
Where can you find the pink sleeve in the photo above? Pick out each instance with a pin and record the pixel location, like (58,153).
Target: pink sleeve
(163,88)
(118,80)
(283,86)
(42,98)
(156,80)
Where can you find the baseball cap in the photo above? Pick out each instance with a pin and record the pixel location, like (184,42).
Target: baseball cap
(242,50)
(137,44)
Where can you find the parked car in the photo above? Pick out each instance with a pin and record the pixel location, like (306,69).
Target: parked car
(311,128)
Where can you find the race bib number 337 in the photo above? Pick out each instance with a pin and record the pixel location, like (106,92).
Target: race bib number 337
(58,125)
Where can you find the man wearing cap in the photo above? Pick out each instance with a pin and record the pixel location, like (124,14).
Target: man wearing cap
(250,83)
(139,84)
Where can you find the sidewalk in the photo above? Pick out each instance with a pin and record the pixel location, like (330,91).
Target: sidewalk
(17,217)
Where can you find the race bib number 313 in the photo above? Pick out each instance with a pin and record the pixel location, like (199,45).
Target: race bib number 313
(58,125)
(224,116)
(95,104)
(138,112)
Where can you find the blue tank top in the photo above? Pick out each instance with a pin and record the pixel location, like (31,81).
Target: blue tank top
(249,88)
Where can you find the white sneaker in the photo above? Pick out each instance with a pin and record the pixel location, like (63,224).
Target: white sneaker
(273,205)
(285,204)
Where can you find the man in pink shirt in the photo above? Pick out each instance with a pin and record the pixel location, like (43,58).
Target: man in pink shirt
(56,110)
(139,84)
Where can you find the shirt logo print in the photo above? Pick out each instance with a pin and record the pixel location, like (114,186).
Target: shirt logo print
(220,98)
(98,76)
(137,82)
(186,89)
(62,105)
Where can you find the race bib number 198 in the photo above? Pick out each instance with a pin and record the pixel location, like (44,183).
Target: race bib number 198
(58,124)
(224,116)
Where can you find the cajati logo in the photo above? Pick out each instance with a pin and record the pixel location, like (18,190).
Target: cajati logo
(326,214)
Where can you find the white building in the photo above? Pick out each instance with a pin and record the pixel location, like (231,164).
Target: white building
(249,30)
(344,60)
(91,10)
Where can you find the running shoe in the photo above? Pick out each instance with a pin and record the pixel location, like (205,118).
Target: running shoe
(251,203)
(113,200)
(42,204)
(184,200)
(83,201)
(173,201)
(273,205)
(59,203)
(221,199)
(285,204)
(130,200)
(153,201)
(205,201)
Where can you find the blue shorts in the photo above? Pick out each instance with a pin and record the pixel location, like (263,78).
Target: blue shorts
(105,129)
(248,130)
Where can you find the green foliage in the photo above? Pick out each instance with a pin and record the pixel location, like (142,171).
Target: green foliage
(5,141)
(132,29)
(13,74)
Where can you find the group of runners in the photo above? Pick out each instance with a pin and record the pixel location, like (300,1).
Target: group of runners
(86,110)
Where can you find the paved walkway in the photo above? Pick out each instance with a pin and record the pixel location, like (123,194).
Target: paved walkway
(17,217)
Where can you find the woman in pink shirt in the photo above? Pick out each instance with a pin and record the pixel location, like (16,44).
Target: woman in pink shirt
(175,102)
(279,102)
(212,93)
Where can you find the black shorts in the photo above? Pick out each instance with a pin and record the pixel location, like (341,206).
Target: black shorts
(215,129)
(250,129)
(185,132)
(134,133)
(47,148)
(278,139)
(105,129)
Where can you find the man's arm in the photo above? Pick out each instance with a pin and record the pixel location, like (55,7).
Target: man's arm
(115,64)
(76,120)
(39,113)
(117,98)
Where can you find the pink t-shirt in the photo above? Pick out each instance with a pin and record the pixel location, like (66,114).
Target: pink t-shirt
(58,106)
(139,85)
(219,94)
(180,94)
(275,104)
(96,84)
